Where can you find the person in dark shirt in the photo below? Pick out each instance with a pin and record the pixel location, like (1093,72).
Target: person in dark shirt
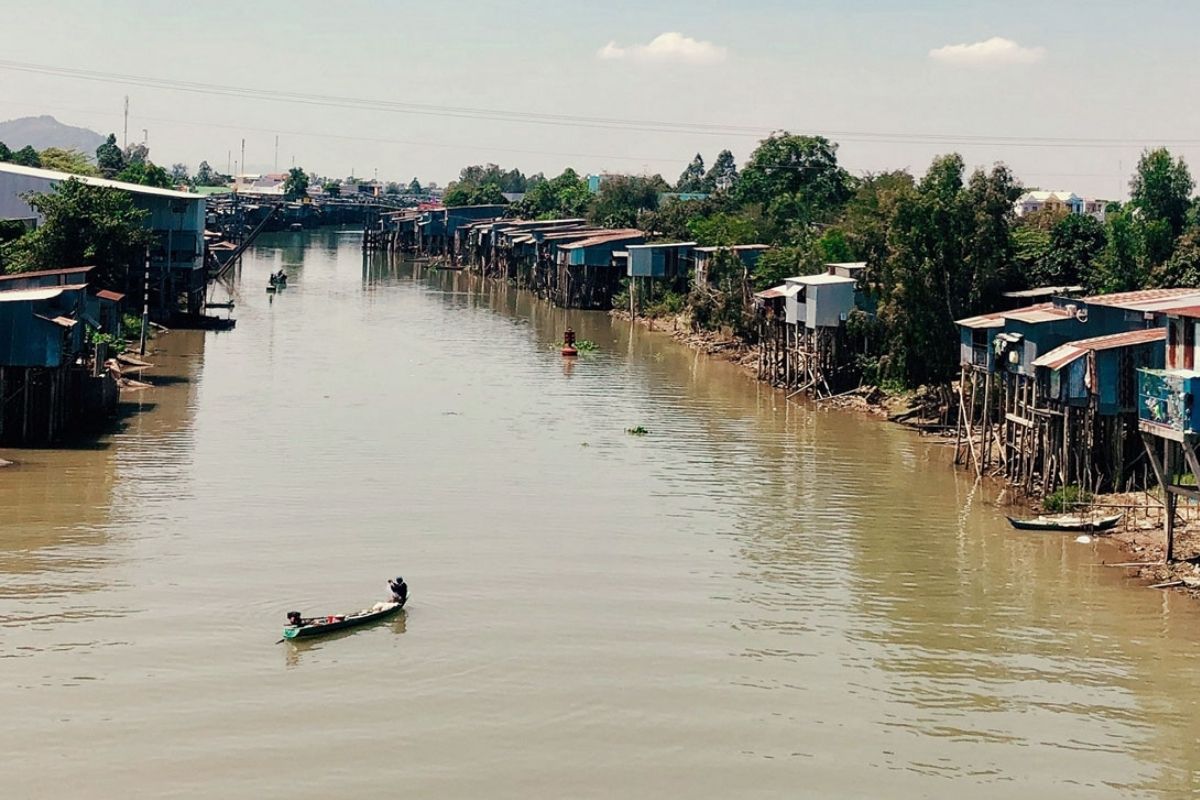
(399,589)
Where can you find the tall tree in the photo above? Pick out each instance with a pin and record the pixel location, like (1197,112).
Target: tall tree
(5,153)
(951,253)
(797,179)
(1162,189)
(692,177)
(723,175)
(71,161)
(295,185)
(206,175)
(623,197)
(136,153)
(179,174)
(26,157)
(109,157)
(414,187)
(562,197)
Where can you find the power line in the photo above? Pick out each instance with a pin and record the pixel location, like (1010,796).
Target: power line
(570,120)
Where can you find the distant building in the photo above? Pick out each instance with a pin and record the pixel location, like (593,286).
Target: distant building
(1032,202)
(270,185)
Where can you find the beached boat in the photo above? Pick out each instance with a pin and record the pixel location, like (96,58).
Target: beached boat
(319,626)
(1066,523)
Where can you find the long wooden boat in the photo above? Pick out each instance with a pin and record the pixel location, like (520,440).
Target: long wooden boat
(1066,522)
(319,626)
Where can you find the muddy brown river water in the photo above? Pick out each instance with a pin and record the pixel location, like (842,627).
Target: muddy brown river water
(756,599)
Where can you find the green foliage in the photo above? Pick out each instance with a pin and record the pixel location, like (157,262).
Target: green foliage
(478,175)
(1065,499)
(414,187)
(585,346)
(5,153)
(797,180)
(637,431)
(179,174)
(723,176)
(206,175)
(564,197)
(109,157)
(1122,265)
(724,229)
(115,343)
(1183,267)
(724,301)
(71,161)
(623,198)
(295,185)
(26,157)
(146,173)
(692,178)
(332,188)
(82,224)
(463,194)
(950,254)
(1162,189)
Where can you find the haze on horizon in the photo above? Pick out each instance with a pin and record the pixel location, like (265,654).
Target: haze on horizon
(1067,95)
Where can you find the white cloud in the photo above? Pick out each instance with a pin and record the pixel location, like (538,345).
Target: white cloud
(667,47)
(994,51)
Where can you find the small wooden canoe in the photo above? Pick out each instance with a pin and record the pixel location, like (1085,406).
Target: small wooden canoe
(1066,523)
(319,626)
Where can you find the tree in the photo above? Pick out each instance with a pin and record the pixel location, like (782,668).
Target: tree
(81,224)
(414,187)
(724,230)
(332,189)
(723,175)
(623,197)
(5,153)
(205,175)
(1122,266)
(1183,267)
(136,153)
(950,255)
(296,184)
(71,161)
(796,178)
(1075,246)
(692,178)
(26,157)
(1162,189)
(465,194)
(179,174)
(566,196)
(109,157)
(146,173)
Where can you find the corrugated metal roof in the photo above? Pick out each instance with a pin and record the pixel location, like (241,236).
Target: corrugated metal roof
(16,276)
(605,238)
(22,295)
(784,290)
(1042,312)
(1059,357)
(1043,291)
(105,294)
(819,279)
(132,188)
(982,321)
(735,248)
(661,245)
(1190,311)
(1144,299)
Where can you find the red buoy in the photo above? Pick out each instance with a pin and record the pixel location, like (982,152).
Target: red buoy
(568,348)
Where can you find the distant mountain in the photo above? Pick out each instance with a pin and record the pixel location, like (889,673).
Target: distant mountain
(46,131)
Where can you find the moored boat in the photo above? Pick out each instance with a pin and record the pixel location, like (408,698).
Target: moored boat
(1066,523)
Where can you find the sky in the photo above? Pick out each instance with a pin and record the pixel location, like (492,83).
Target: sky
(1066,94)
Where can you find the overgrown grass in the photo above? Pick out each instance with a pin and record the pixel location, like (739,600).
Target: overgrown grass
(1065,499)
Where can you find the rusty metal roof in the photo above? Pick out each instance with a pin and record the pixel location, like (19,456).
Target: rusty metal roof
(982,321)
(16,276)
(784,290)
(1190,310)
(1042,312)
(105,294)
(1144,299)
(605,238)
(1059,357)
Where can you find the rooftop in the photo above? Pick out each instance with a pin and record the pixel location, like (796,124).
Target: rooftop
(1146,299)
(1059,357)
(132,188)
(605,238)
(735,248)
(823,278)
(660,245)
(16,276)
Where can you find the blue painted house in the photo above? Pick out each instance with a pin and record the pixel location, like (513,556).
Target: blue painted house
(660,260)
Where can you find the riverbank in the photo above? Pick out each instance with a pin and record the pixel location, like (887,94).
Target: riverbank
(1141,538)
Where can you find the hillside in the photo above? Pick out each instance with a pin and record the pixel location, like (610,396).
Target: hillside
(45,131)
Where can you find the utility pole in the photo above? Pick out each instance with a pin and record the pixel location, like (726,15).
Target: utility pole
(276,168)
(243,155)
(145,136)
(145,304)
(228,162)
(125,136)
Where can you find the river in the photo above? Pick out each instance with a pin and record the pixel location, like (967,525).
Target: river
(758,598)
